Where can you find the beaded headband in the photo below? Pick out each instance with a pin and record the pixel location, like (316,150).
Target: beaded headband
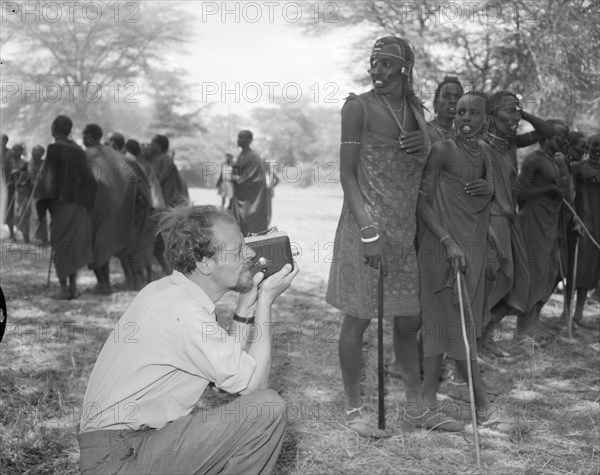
(379,46)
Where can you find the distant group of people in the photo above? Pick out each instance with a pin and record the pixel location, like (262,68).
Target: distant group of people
(246,186)
(102,202)
(19,177)
(443,211)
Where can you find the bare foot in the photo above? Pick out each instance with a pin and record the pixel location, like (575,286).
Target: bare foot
(433,418)
(359,421)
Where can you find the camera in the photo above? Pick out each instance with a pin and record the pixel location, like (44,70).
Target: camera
(273,251)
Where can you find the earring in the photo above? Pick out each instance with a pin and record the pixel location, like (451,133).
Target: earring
(485,128)
(403,70)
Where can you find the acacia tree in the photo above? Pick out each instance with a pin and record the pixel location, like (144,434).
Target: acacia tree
(563,46)
(301,139)
(87,64)
(176,115)
(546,50)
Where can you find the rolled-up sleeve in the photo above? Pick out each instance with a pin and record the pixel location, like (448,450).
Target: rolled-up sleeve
(208,351)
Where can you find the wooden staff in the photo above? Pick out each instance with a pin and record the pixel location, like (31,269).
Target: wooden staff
(566,296)
(380,375)
(570,316)
(50,267)
(31,195)
(469,369)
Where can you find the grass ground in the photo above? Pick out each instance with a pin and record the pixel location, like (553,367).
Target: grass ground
(50,348)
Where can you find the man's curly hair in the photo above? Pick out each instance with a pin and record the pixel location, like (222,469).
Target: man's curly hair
(188,234)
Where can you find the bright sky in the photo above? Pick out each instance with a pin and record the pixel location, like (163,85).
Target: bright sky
(247,54)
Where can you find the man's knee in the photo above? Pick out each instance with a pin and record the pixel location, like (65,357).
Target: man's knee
(270,406)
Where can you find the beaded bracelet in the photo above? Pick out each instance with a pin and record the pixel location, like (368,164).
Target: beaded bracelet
(368,240)
(445,237)
(349,143)
(367,227)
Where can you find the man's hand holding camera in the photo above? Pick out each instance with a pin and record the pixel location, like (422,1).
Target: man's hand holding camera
(265,291)
(271,288)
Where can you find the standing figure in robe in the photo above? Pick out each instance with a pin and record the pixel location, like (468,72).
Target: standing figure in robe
(384,145)
(586,175)
(507,274)
(250,193)
(113,213)
(67,189)
(540,195)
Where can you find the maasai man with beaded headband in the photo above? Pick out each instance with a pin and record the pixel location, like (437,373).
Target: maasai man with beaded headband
(454,210)
(445,99)
(507,274)
(383,149)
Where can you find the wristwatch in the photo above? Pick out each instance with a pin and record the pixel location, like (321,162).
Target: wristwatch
(247,321)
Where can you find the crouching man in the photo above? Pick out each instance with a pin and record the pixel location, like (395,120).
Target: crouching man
(141,411)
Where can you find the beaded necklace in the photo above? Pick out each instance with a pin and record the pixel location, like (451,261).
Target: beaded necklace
(444,133)
(389,108)
(499,143)
(474,152)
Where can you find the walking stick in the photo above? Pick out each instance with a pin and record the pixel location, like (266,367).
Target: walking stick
(583,226)
(469,369)
(380,375)
(566,296)
(10,203)
(570,316)
(30,199)
(49,267)
(26,207)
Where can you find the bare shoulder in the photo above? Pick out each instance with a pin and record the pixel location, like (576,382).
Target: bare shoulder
(486,147)
(443,147)
(531,159)
(353,116)
(352,104)
(441,152)
(581,170)
(576,167)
